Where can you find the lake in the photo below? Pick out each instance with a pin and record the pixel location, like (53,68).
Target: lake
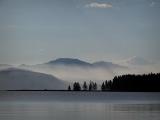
(61,105)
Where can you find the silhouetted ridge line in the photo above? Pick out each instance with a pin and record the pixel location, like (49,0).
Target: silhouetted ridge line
(69,61)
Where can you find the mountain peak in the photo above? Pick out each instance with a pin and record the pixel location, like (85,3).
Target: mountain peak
(137,61)
(107,65)
(68,61)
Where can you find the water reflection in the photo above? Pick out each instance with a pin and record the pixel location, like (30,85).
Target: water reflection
(78,111)
(79,105)
(137,107)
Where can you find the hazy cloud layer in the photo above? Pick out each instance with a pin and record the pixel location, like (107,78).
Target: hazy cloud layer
(98,71)
(74,73)
(99,5)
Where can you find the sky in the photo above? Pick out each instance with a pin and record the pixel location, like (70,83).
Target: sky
(36,31)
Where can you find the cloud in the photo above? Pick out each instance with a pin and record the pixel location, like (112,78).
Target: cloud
(98,5)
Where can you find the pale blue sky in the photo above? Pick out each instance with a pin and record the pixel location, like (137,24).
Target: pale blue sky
(35,31)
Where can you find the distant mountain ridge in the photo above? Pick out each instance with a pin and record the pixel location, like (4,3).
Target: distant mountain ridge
(68,61)
(18,79)
(104,64)
(77,62)
(137,61)
(71,69)
(5,66)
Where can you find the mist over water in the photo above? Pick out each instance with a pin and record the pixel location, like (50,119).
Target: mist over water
(97,74)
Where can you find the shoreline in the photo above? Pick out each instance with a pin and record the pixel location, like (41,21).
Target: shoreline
(78,91)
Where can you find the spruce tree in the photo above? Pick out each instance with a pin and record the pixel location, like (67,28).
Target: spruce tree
(85,87)
(69,88)
(103,87)
(90,86)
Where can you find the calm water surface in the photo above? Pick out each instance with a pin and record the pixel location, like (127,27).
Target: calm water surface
(79,106)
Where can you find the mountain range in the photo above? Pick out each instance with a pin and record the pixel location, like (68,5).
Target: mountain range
(79,63)
(56,73)
(70,69)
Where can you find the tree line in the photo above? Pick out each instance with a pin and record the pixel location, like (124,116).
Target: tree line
(129,82)
(92,86)
(145,82)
